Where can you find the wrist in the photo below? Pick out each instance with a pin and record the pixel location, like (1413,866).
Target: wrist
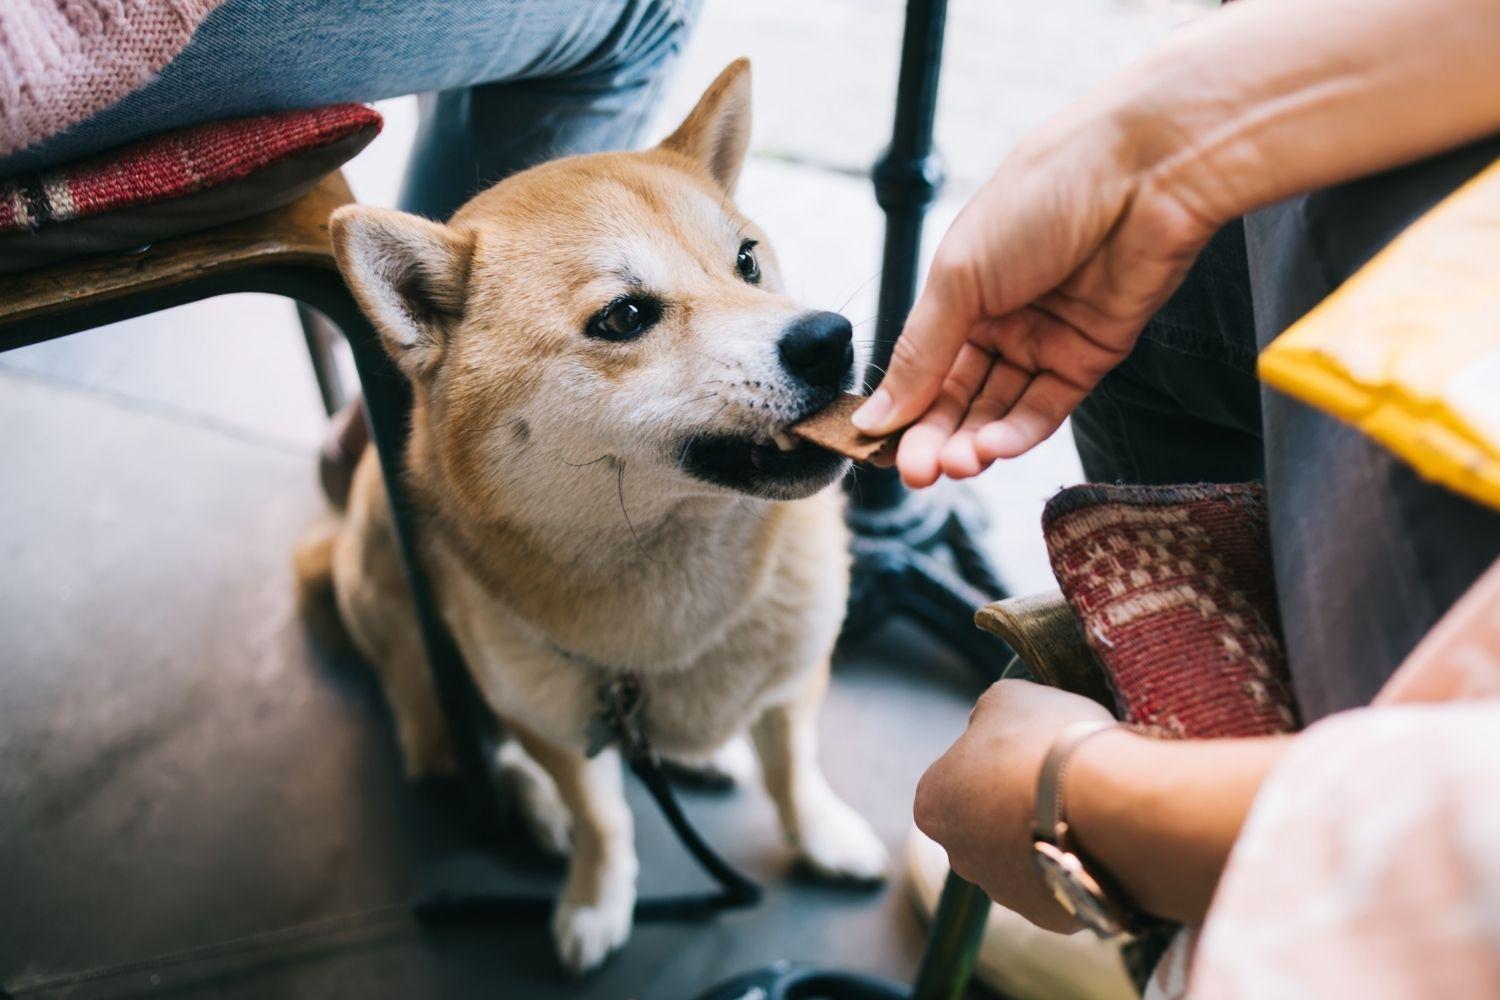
(1110,787)
(1203,111)
(1105,784)
(1050,806)
(1160,816)
(1077,882)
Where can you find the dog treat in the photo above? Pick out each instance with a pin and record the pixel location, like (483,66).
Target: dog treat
(830,429)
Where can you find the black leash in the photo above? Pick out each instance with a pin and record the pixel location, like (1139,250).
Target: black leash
(618,722)
(623,702)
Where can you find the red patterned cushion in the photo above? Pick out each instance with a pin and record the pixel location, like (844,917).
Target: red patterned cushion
(174,164)
(1174,588)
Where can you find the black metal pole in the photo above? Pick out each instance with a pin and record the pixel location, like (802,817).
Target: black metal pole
(907,177)
(388,403)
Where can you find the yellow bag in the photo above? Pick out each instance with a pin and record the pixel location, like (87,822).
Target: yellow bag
(1408,349)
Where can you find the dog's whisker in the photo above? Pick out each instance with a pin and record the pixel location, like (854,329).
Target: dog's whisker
(859,495)
(620,490)
(606,455)
(696,399)
(757,514)
(717,361)
(584,465)
(693,438)
(859,288)
(684,404)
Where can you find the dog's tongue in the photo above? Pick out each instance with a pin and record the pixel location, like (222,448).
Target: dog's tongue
(830,429)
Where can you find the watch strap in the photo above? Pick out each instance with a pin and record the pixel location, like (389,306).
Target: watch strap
(1050,818)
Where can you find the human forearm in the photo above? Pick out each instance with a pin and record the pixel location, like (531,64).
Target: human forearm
(1045,280)
(1160,816)
(1269,98)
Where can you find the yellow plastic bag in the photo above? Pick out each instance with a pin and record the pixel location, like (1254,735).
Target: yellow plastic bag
(1408,349)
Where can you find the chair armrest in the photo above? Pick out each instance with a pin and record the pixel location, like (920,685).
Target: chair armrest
(1047,637)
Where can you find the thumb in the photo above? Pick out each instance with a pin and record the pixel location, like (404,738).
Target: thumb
(928,345)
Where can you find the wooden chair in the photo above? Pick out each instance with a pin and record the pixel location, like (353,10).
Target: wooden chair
(1050,648)
(284,252)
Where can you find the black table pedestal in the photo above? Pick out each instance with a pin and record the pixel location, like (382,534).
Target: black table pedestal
(919,558)
(916,553)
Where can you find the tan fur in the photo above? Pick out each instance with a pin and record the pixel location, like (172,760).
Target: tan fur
(562,537)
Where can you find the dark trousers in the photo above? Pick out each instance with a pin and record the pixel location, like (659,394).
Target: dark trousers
(1368,556)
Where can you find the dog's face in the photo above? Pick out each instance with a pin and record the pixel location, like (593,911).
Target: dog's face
(613,309)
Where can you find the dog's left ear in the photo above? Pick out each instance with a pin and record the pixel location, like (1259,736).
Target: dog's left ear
(410,275)
(717,131)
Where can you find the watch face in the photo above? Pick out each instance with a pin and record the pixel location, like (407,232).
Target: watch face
(1076,890)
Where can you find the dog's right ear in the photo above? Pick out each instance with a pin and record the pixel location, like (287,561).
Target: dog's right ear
(409,274)
(716,133)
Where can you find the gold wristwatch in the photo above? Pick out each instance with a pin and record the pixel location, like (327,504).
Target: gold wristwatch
(1087,895)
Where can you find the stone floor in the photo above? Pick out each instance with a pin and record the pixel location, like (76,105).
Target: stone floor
(180,766)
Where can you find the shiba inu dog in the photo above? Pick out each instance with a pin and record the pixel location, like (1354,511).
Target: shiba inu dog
(604,366)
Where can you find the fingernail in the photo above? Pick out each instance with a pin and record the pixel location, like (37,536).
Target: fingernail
(871,415)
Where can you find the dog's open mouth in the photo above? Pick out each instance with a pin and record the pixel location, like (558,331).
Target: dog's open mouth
(774,465)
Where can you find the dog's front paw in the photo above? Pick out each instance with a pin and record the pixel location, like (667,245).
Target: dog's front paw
(586,933)
(537,798)
(837,842)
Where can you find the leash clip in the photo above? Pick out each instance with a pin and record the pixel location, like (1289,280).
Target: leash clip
(618,720)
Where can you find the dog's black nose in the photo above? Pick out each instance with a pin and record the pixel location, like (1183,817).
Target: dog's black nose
(818,348)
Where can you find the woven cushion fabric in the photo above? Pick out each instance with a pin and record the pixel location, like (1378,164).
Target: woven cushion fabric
(1173,586)
(176,182)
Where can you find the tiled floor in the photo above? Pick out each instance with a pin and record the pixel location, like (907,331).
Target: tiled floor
(180,766)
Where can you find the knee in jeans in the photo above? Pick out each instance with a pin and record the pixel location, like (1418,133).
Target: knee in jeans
(640,46)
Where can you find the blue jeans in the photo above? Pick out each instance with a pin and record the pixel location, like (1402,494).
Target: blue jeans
(505,83)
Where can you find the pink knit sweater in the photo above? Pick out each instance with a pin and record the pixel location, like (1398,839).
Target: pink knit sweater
(64,60)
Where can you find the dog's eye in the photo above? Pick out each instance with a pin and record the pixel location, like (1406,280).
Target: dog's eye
(624,318)
(746,263)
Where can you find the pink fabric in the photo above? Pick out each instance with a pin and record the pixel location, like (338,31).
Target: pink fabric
(62,61)
(174,164)
(1368,864)
(1173,586)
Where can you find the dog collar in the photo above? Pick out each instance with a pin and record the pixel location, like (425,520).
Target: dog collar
(619,697)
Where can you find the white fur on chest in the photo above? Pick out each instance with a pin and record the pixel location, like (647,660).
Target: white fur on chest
(697,696)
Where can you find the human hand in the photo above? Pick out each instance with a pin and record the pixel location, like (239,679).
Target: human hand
(1047,277)
(1040,287)
(978,799)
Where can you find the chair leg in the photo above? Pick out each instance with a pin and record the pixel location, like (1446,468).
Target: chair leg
(388,402)
(953,942)
(319,335)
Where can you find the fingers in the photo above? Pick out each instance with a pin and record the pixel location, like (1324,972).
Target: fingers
(917,455)
(1041,409)
(959,458)
(926,350)
(995,405)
